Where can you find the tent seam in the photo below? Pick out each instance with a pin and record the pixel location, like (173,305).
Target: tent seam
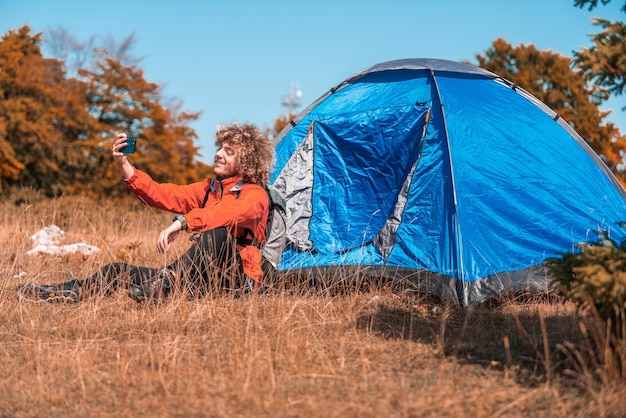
(462,296)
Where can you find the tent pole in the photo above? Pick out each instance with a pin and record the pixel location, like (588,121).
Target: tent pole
(461,285)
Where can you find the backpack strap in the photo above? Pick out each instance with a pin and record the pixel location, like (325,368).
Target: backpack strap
(209,189)
(248,238)
(206,197)
(275,199)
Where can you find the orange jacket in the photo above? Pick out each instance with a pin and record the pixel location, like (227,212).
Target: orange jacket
(231,203)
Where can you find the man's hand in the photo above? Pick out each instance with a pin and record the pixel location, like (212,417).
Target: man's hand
(121,161)
(167,236)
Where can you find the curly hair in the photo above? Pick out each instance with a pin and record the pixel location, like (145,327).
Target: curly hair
(256,152)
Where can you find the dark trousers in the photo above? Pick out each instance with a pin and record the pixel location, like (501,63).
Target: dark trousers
(212,264)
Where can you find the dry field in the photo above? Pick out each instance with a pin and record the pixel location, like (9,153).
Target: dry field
(376,352)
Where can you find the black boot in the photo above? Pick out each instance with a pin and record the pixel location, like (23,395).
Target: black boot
(153,288)
(66,292)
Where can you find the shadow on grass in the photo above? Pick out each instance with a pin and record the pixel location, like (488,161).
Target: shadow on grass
(524,336)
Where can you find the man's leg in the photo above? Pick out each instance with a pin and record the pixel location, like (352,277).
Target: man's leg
(212,264)
(104,282)
(113,276)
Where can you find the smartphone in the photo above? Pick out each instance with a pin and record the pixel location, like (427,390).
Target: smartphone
(131,143)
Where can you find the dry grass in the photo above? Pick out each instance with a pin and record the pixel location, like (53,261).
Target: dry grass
(373,353)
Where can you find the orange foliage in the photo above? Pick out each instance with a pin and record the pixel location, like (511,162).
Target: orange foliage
(56,132)
(282,121)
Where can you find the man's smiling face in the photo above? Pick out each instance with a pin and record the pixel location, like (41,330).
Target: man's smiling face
(226,159)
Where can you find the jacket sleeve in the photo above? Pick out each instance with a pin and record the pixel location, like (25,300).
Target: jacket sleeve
(166,196)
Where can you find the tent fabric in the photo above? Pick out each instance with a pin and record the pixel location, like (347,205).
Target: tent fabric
(443,174)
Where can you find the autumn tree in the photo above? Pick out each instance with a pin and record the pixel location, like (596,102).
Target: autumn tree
(42,115)
(78,54)
(550,77)
(280,123)
(60,44)
(10,166)
(121,99)
(56,131)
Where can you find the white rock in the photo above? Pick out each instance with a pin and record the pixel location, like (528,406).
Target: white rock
(46,241)
(51,234)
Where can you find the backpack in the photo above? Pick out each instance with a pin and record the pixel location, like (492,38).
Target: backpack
(276,227)
(275,230)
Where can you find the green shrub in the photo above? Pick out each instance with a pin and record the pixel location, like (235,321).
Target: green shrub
(594,279)
(595,275)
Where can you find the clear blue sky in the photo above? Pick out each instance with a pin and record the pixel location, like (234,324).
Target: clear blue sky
(234,60)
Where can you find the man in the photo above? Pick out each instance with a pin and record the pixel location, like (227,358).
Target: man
(226,215)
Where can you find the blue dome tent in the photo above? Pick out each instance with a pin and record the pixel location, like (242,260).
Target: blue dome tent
(443,174)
